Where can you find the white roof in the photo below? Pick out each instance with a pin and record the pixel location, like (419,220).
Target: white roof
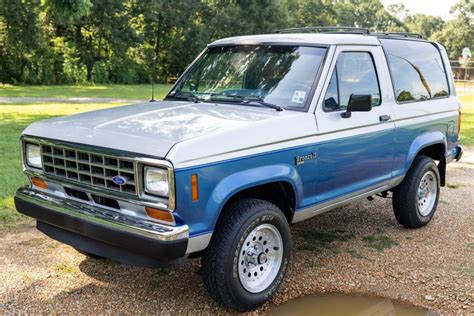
(300,38)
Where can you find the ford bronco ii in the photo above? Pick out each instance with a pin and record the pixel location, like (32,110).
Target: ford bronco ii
(260,132)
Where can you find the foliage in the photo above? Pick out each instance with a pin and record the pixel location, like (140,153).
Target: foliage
(458,33)
(99,73)
(131,41)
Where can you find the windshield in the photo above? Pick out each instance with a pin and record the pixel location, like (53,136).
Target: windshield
(278,75)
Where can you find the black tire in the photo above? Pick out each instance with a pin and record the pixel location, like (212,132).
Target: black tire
(90,255)
(220,263)
(405,195)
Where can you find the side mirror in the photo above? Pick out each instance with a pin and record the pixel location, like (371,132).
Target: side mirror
(358,103)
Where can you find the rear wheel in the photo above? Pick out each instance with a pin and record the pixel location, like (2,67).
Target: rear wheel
(248,256)
(415,200)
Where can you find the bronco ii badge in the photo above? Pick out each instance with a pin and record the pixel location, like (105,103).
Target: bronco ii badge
(299,160)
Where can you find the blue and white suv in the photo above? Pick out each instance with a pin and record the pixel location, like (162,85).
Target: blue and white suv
(259,132)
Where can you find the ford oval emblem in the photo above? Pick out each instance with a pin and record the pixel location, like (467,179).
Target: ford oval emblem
(119,180)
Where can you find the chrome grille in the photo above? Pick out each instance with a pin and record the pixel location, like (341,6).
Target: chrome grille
(89,168)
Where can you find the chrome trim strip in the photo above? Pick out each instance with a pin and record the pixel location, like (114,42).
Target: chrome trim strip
(103,216)
(329,205)
(198,243)
(142,198)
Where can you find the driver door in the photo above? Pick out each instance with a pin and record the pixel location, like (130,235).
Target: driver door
(355,154)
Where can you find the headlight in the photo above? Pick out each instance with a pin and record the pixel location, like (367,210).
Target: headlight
(33,156)
(156,181)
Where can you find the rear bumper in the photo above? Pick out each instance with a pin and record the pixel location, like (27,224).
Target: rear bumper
(454,154)
(459,152)
(103,232)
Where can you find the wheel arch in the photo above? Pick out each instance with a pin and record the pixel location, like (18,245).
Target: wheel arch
(278,184)
(432,144)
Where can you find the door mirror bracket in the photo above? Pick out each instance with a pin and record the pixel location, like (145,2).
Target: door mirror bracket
(358,103)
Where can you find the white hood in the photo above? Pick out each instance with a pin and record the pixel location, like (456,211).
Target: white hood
(149,128)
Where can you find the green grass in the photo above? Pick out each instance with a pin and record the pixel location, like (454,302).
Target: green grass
(357,255)
(65,267)
(315,239)
(453,185)
(379,242)
(13,119)
(142,91)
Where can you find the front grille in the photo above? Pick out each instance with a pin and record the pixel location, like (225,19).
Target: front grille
(89,168)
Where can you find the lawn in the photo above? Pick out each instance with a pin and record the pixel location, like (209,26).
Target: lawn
(467,119)
(15,117)
(92,91)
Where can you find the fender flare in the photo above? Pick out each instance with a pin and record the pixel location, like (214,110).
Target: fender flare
(423,141)
(246,179)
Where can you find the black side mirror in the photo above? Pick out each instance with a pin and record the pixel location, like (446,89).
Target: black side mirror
(358,103)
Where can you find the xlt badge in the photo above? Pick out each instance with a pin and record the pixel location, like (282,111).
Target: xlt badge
(299,160)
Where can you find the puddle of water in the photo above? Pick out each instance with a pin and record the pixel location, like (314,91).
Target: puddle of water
(346,305)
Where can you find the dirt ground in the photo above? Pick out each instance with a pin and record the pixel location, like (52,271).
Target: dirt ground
(357,249)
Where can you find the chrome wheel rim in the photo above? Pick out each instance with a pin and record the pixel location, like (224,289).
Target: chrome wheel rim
(260,258)
(427,193)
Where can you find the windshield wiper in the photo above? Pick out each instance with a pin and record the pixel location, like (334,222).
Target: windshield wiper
(260,101)
(184,95)
(245,100)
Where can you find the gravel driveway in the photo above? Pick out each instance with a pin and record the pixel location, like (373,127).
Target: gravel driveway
(356,249)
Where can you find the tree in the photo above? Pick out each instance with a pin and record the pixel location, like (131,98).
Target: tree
(423,24)
(458,33)
(134,41)
(68,12)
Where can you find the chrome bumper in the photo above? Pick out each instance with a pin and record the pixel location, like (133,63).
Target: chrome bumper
(105,218)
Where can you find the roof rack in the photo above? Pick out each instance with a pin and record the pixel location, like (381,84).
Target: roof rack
(347,30)
(326,29)
(400,34)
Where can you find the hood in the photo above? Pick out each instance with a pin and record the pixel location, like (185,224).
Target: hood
(149,128)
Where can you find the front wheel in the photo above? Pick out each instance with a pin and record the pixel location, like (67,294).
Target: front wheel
(415,200)
(248,255)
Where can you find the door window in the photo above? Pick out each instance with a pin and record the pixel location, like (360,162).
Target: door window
(354,74)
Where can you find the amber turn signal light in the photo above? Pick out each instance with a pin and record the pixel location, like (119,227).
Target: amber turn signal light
(39,183)
(161,215)
(194,188)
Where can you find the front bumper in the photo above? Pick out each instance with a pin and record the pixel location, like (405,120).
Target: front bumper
(104,232)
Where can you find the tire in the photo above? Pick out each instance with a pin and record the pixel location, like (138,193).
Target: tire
(237,270)
(414,204)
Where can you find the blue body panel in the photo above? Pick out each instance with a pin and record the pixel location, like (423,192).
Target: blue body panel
(219,181)
(351,164)
(411,139)
(343,166)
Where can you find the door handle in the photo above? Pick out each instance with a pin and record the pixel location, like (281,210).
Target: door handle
(384,118)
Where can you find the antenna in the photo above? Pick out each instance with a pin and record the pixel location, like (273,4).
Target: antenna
(153,74)
(152,91)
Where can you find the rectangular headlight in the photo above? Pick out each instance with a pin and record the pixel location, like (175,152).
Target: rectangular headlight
(33,156)
(156,181)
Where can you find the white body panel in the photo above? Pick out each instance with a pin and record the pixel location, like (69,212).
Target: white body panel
(190,134)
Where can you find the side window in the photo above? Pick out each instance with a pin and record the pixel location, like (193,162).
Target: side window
(417,70)
(354,74)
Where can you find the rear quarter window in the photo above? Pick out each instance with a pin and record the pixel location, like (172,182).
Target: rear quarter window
(417,70)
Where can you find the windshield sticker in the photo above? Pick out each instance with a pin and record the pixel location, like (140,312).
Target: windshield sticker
(298,96)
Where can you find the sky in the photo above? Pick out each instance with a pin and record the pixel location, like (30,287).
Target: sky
(429,7)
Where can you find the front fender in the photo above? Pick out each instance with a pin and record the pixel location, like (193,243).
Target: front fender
(423,141)
(242,180)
